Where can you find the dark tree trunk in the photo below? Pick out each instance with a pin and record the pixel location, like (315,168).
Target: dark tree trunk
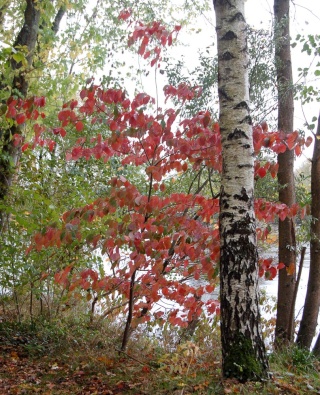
(243,350)
(9,153)
(310,315)
(28,35)
(287,242)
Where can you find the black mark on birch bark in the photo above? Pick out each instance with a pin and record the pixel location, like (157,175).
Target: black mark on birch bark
(244,196)
(227,56)
(242,104)
(246,120)
(237,134)
(224,95)
(237,17)
(230,35)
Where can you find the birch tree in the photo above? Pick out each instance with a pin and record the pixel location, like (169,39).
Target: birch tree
(243,349)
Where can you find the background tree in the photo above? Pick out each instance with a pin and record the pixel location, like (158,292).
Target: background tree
(24,47)
(310,315)
(287,238)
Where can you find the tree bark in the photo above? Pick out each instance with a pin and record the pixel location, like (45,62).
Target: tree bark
(26,37)
(243,350)
(287,243)
(310,315)
(57,20)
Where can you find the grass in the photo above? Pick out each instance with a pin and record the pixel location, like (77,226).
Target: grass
(71,357)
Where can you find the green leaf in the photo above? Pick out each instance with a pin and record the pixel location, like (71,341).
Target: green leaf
(19,57)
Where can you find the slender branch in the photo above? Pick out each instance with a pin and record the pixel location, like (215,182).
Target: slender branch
(303,251)
(214,196)
(56,23)
(306,8)
(194,179)
(126,333)
(106,313)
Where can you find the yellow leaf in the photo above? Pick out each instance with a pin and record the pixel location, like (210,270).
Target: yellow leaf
(291,269)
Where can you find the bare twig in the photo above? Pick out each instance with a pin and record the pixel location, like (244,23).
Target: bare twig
(134,359)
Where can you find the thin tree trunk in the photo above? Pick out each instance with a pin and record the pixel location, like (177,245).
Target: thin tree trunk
(31,303)
(287,241)
(296,289)
(310,315)
(126,334)
(243,350)
(316,348)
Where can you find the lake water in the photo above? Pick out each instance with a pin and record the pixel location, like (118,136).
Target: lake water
(271,288)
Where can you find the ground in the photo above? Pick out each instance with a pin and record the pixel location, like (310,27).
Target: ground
(31,366)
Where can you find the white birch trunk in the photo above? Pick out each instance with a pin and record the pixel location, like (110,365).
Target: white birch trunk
(243,349)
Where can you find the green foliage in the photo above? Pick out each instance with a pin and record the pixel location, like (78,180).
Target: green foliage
(204,75)
(295,359)
(60,336)
(266,188)
(308,90)
(261,74)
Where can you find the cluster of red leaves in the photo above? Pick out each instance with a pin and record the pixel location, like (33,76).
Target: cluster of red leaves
(278,141)
(269,211)
(154,33)
(183,92)
(261,170)
(138,137)
(21,111)
(268,268)
(168,241)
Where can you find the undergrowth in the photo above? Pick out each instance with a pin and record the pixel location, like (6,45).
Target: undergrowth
(84,355)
